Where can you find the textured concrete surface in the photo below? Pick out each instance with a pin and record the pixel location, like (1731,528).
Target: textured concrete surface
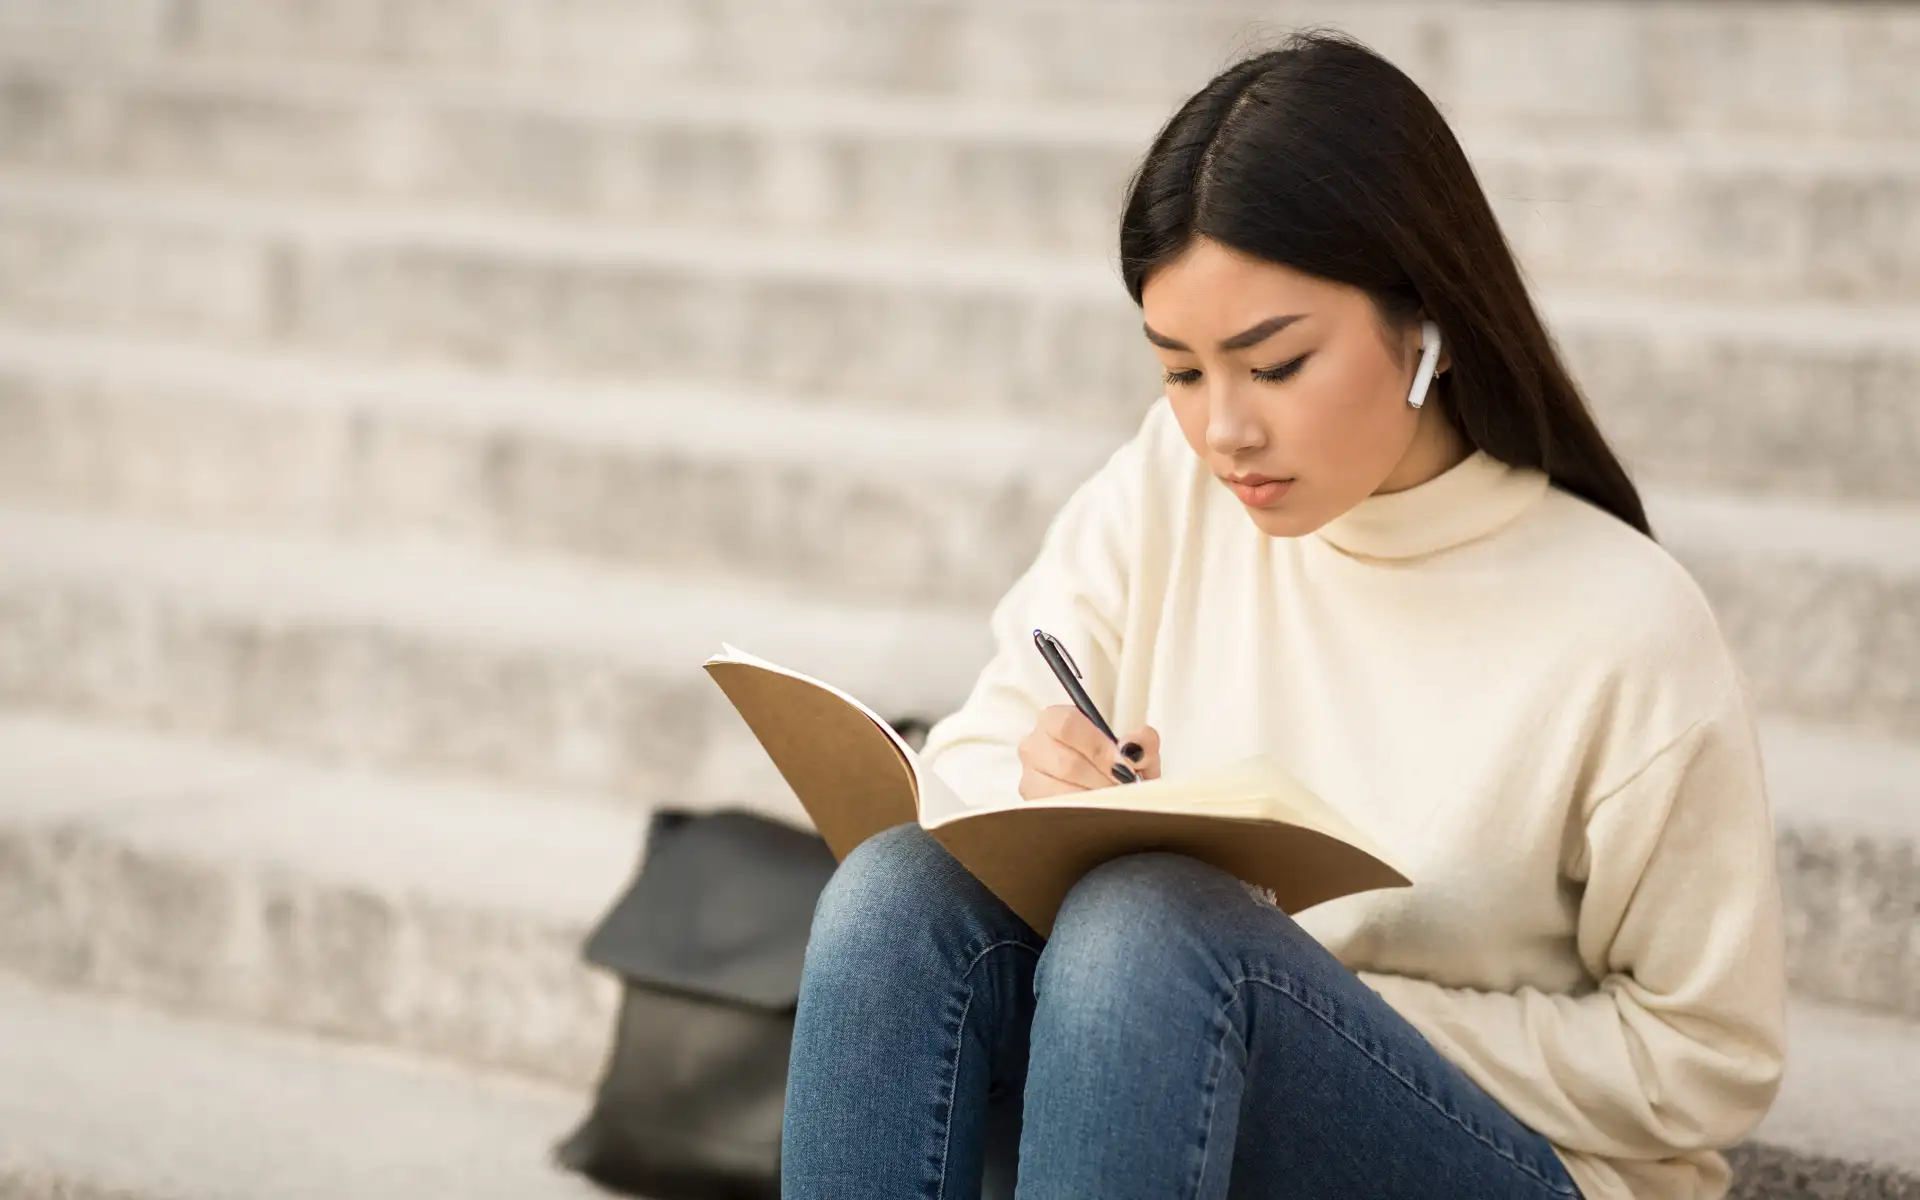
(425,657)
(1617,63)
(1819,598)
(274,1115)
(206,627)
(105,1100)
(1717,213)
(1846,811)
(1852,1090)
(1763,1172)
(447,918)
(856,321)
(942,508)
(440,917)
(1820,601)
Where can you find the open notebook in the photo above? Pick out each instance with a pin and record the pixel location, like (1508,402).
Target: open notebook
(854,776)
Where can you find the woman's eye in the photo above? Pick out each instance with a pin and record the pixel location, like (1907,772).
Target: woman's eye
(1277,374)
(1282,372)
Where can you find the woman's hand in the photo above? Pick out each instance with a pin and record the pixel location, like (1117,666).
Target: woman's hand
(1065,753)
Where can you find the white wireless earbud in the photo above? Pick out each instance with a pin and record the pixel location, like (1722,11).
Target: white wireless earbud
(1429,355)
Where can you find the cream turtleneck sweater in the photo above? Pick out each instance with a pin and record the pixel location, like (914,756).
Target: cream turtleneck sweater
(1526,700)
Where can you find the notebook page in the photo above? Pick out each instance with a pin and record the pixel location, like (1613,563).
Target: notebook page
(1251,789)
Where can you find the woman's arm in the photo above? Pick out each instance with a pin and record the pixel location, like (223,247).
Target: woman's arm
(1682,1045)
(1076,588)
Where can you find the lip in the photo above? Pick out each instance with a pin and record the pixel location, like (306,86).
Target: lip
(1259,491)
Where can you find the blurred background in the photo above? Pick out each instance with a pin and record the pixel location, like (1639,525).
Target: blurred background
(400,398)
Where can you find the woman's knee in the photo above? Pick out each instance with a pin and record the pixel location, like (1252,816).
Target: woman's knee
(1133,922)
(1154,918)
(898,894)
(1154,892)
(879,883)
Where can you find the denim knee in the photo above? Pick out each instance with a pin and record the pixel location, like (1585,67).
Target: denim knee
(1132,923)
(881,885)
(898,902)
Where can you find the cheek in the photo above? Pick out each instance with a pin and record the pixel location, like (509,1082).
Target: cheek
(1328,409)
(1360,395)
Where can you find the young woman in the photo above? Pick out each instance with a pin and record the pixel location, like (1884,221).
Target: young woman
(1441,606)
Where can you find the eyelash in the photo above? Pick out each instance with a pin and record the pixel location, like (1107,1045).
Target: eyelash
(1279,374)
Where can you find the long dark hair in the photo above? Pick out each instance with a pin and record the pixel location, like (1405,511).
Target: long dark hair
(1325,157)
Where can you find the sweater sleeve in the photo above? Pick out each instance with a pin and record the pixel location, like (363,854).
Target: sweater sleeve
(1076,588)
(1681,1045)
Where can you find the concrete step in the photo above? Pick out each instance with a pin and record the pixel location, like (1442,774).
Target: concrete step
(1817,598)
(1847,1110)
(1846,812)
(446,920)
(272,1113)
(1760,394)
(100,1100)
(1781,67)
(439,917)
(1819,601)
(913,168)
(1722,215)
(944,508)
(953,329)
(416,656)
(1763,1172)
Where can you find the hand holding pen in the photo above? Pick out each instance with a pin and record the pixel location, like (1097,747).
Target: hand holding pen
(1071,748)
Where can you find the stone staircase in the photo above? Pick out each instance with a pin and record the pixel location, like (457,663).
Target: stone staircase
(399,398)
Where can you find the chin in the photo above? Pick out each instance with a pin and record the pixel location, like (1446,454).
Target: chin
(1280,523)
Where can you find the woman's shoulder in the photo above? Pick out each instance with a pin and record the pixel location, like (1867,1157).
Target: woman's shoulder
(1628,567)
(1632,602)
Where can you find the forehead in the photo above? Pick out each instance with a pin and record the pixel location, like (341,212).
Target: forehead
(1213,288)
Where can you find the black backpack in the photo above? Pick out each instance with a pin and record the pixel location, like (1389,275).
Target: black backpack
(709,940)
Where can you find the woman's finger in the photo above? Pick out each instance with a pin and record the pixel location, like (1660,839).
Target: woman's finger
(1071,728)
(1070,766)
(1044,758)
(1140,749)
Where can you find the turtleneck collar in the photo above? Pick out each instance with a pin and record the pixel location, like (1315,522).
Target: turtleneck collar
(1469,500)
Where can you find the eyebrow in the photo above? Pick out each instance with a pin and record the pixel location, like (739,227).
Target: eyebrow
(1239,341)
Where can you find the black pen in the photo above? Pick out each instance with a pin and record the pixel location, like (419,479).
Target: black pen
(1068,673)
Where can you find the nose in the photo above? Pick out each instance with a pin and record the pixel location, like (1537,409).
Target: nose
(1233,424)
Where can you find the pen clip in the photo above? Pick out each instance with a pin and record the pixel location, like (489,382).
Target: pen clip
(1061,647)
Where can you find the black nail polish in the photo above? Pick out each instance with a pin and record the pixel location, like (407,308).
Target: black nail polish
(1133,751)
(1124,773)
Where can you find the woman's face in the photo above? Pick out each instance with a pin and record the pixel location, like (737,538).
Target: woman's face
(1272,372)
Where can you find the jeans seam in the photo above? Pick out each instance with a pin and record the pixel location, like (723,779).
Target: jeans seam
(1288,989)
(953,1093)
(953,1070)
(1213,1100)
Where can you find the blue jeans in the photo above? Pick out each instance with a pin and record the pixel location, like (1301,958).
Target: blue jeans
(1175,1036)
